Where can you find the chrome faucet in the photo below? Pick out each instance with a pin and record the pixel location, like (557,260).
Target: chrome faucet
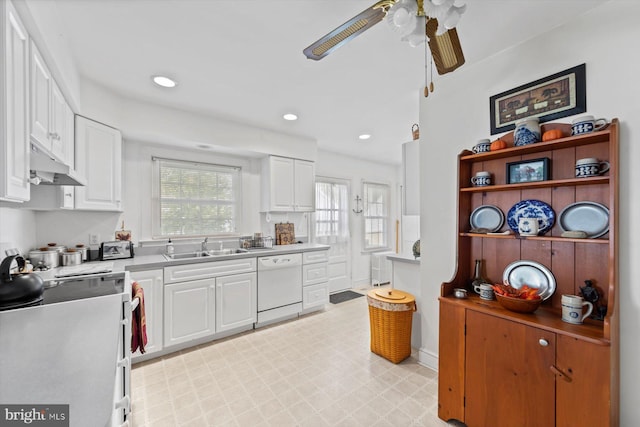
(204,245)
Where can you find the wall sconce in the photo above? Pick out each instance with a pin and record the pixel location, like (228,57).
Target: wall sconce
(358,208)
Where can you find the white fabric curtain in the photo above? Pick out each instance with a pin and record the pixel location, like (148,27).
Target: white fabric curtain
(332,212)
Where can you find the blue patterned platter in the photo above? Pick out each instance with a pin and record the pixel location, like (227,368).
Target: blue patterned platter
(531,209)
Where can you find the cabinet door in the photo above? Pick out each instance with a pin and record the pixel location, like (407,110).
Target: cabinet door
(189,311)
(14,138)
(281,189)
(304,186)
(151,282)
(507,377)
(40,100)
(99,160)
(451,363)
(236,301)
(58,121)
(583,393)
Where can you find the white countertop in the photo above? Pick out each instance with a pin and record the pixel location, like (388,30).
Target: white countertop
(404,258)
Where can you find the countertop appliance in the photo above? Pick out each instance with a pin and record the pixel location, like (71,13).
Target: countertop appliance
(279,287)
(73,349)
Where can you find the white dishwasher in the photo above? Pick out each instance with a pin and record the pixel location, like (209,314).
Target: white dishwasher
(279,287)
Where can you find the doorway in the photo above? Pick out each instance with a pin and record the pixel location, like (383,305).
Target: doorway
(331,227)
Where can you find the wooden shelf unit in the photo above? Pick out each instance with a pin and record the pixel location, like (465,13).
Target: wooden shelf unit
(567,361)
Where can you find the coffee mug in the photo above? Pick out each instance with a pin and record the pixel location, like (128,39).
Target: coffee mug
(483,146)
(485,290)
(481,178)
(586,124)
(572,308)
(528,226)
(590,167)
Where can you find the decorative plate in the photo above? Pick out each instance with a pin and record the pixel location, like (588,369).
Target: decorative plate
(531,209)
(416,248)
(590,217)
(487,216)
(532,274)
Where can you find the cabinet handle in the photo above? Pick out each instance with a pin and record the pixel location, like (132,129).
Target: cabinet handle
(559,373)
(123,362)
(123,403)
(543,342)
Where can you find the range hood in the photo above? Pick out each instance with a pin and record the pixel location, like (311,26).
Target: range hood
(47,171)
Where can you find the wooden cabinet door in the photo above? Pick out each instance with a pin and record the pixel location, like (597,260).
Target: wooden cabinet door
(189,311)
(583,393)
(236,301)
(451,363)
(508,381)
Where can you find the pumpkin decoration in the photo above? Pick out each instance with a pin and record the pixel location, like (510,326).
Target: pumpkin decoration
(498,144)
(552,134)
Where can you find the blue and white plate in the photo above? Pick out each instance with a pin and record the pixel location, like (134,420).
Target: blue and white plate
(531,209)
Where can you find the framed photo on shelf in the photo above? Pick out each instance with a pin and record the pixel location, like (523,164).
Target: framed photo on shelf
(528,171)
(558,95)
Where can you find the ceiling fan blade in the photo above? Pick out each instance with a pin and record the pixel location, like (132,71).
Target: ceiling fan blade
(349,30)
(445,48)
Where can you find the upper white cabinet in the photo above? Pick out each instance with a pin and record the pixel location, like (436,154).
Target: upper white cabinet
(288,185)
(99,160)
(411,177)
(14,107)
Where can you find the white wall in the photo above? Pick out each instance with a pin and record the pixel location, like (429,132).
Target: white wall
(457,115)
(355,171)
(17,229)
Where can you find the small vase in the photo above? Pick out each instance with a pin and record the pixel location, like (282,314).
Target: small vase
(527,132)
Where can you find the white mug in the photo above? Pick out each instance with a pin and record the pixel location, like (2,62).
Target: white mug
(528,226)
(586,124)
(590,166)
(485,290)
(481,178)
(572,308)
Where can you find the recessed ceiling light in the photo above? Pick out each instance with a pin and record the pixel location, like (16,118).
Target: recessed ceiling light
(164,81)
(364,136)
(290,116)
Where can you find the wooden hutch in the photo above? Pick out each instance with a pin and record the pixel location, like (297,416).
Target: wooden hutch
(498,368)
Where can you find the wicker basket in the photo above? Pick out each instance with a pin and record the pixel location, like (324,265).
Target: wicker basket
(390,318)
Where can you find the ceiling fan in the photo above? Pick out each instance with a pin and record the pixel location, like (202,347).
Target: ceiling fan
(413,19)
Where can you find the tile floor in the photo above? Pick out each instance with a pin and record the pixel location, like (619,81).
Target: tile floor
(314,371)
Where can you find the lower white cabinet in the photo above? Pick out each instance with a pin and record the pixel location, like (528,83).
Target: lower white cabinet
(315,280)
(189,310)
(151,282)
(236,301)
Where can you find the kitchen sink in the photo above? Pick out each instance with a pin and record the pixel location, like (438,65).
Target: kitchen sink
(186,255)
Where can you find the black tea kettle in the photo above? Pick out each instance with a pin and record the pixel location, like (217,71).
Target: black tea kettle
(21,289)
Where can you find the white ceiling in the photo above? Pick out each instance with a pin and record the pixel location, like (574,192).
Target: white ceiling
(242,60)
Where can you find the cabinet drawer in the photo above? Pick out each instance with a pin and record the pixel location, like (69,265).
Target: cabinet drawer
(314,273)
(181,273)
(315,295)
(315,256)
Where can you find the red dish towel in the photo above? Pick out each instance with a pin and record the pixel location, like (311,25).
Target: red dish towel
(139,322)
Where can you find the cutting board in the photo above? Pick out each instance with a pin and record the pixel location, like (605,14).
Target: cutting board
(285,234)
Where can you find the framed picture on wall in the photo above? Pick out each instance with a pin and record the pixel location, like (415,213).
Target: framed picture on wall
(528,171)
(558,95)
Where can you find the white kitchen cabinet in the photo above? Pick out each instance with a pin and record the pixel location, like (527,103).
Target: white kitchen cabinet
(315,280)
(189,311)
(288,185)
(236,301)
(14,107)
(152,284)
(48,106)
(99,160)
(411,178)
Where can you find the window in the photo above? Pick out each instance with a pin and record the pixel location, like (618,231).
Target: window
(195,199)
(376,215)
(332,211)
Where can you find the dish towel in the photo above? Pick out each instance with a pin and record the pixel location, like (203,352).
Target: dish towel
(139,322)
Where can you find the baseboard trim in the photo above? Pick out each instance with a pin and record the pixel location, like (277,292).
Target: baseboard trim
(428,359)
